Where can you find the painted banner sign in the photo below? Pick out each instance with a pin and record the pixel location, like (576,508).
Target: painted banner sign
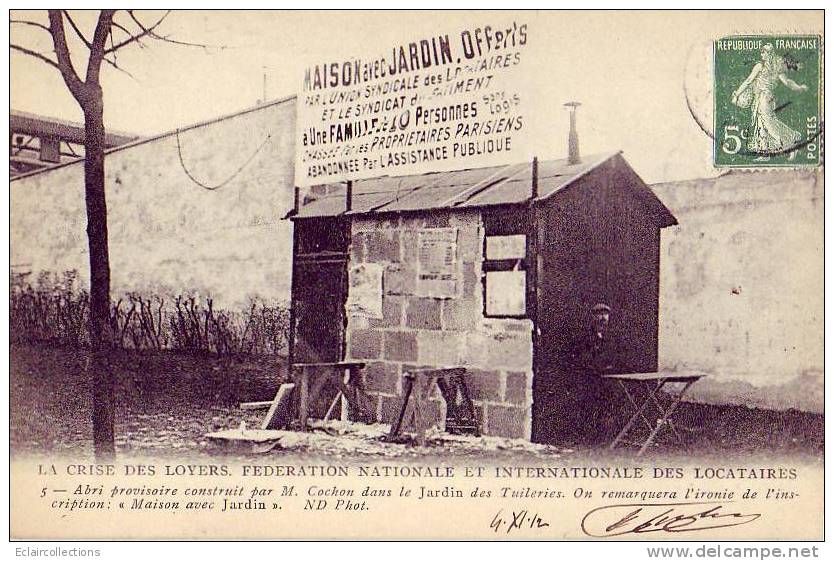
(451,101)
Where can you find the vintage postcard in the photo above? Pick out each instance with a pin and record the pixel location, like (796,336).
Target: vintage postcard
(463,275)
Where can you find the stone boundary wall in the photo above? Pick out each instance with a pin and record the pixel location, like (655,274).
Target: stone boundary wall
(741,287)
(168,235)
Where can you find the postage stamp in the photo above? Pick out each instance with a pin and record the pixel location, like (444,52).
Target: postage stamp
(767,101)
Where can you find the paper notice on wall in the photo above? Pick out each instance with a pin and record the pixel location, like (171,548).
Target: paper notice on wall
(365,293)
(506,247)
(506,293)
(452,97)
(437,263)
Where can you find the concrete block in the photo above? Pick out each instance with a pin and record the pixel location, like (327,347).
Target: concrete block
(505,421)
(401,346)
(460,315)
(440,348)
(392,311)
(389,408)
(493,348)
(381,377)
(474,349)
(409,241)
(516,388)
(423,313)
(484,385)
(383,246)
(471,281)
(376,224)
(518,325)
(470,241)
(357,248)
(436,219)
(511,351)
(365,343)
(358,322)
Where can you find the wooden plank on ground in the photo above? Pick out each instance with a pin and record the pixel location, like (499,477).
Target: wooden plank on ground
(280,413)
(254,405)
(255,436)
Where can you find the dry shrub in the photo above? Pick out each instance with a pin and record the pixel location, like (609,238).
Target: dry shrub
(54,310)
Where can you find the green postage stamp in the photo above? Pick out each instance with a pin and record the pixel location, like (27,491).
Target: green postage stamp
(767,101)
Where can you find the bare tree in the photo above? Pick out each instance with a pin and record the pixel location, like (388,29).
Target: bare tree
(108,37)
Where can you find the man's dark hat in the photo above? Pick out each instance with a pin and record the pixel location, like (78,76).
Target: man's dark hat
(601,308)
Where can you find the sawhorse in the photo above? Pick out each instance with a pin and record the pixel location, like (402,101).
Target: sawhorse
(346,375)
(417,389)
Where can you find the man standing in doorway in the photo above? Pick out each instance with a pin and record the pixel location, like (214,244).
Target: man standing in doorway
(594,356)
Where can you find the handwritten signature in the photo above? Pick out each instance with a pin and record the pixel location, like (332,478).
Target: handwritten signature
(617,520)
(522,519)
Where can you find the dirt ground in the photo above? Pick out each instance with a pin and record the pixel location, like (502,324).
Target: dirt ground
(167,402)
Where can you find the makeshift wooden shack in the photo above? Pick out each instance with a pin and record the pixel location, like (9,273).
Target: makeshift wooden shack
(491,269)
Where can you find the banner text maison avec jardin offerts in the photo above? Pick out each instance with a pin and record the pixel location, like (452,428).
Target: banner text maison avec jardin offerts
(446,102)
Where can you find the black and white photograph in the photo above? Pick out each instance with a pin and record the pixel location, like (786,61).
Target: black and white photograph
(344,274)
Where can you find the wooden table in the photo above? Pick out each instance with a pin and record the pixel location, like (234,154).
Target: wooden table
(654,383)
(345,374)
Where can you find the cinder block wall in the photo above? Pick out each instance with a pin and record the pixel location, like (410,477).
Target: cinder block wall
(418,331)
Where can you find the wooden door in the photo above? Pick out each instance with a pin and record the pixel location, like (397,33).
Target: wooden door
(319,293)
(572,275)
(319,289)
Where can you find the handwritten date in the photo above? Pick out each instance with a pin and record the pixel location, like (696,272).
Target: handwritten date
(517,520)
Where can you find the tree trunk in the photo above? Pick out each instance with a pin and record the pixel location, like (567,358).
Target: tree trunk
(99,321)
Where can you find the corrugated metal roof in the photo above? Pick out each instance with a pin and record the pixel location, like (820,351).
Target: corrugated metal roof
(478,187)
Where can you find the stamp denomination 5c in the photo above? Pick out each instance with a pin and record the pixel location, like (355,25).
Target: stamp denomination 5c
(767,101)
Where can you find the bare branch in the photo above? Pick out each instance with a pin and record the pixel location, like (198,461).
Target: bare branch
(115,62)
(32,23)
(110,37)
(166,38)
(115,65)
(99,53)
(75,28)
(120,27)
(127,32)
(135,37)
(148,30)
(35,54)
(59,41)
